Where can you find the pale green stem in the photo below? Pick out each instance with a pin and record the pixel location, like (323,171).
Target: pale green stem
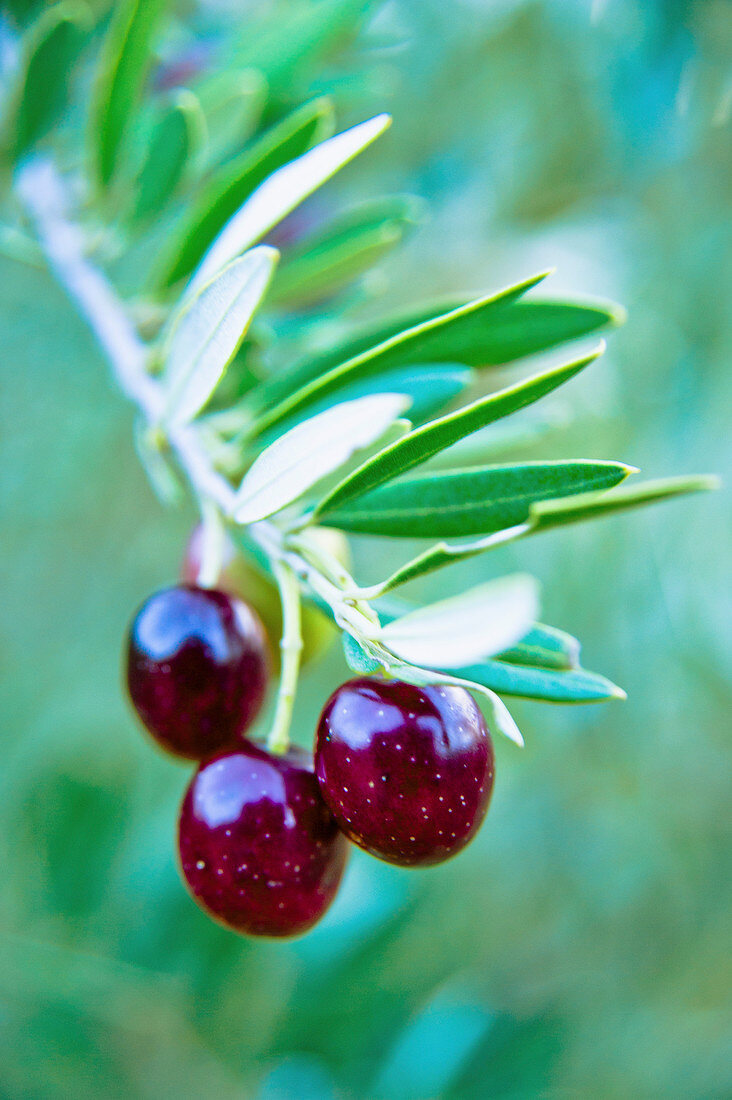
(290,648)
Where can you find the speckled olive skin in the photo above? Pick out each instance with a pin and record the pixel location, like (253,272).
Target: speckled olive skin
(259,849)
(407,771)
(197,669)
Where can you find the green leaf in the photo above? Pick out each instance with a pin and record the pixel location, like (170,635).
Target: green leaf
(205,335)
(390,353)
(544,647)
(470,502)
(357,659)
(556,513)
(171,148)
(465,628)
(123,66)
(428,440)
(502,336)
(52,49)
(429,388)
(304,455)
(550,685)
(544,516)
(325,262)
(282,49)
(283,191)
(232,184)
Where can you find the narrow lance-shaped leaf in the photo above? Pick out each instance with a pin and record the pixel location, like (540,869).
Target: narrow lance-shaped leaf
(541,647)
(206,334)
(284,190)
(470,502)
(556,513)
(377,359)
(480,340)
(545,516)
(52,48)
(463,629)
(549,685)
(326,262)
(237,179)
(301,457)
(123,65)
(429,388)
(430,439)
(171,148)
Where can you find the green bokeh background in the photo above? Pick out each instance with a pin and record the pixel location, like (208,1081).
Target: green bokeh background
(580,947)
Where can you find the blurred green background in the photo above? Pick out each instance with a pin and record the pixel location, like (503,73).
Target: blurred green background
(580,947)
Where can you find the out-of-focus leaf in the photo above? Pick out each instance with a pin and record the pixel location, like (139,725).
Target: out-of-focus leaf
(205,336)
(429,388)
(172,146)
(466,628)
(284,190)
(232,103)
(551,685)
(470,502)
(480,340)
(53,46)
(544,647)
(123,65)
(326,261)
(22,10)
(237,180)
(428,440)
(555,513)
(301,457)
(282,396)
(282,52)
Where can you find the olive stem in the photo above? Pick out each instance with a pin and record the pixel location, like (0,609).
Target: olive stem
(278,741)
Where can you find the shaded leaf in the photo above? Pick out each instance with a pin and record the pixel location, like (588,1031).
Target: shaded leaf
(428,440)
(429,388)
(206,334)
(465,628)
(325,262)
(284,190)
(301,457)
(52,48)
(123,65)
(171,148)
(232,184)
(470,502)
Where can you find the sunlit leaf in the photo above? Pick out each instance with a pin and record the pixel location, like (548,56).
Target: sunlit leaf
(123,65)
(205,336)
(463,629)
(384,356)
(236,180)
(284,190)
(481,340)
(550,685)
(439,434)
(470,502)
(301,457)
(555,513)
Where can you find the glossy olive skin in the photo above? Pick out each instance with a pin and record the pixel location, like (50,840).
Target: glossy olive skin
(407,771)
(197,669)
(259,850)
